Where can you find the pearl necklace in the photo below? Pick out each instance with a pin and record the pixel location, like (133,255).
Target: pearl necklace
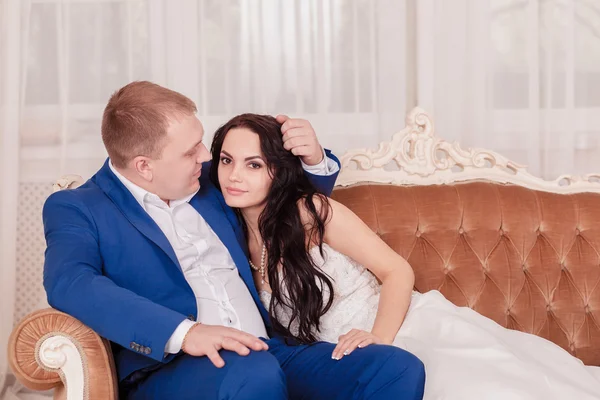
(261,269)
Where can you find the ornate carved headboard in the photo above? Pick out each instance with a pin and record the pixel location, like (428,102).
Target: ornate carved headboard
(416,156)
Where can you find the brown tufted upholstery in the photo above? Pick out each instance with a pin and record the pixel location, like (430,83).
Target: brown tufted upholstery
(527,259)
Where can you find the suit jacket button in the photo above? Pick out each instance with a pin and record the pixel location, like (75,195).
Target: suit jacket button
(147,350)
(132,345)
(191,317)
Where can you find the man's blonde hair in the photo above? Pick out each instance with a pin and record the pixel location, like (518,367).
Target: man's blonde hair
(136,119)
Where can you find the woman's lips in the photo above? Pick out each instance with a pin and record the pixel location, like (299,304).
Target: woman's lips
(235,191)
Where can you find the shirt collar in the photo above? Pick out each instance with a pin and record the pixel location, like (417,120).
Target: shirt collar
(143,197)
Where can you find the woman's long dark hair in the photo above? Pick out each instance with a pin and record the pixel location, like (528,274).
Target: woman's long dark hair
(283,232)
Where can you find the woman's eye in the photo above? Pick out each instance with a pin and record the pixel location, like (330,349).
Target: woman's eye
(225,160)
(254,165)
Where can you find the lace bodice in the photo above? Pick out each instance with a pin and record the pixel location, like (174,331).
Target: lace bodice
(356,295)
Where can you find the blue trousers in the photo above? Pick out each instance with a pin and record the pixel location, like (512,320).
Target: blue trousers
(376,372)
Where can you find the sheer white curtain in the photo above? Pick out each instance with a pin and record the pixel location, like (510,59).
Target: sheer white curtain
(9,128)
(518,76)
(338,63)
(325,60)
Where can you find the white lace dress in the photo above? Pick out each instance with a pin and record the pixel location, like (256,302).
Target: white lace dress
(466,355)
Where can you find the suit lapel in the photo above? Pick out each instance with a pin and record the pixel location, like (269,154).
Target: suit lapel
(208,205)
(132,210)
(205,203)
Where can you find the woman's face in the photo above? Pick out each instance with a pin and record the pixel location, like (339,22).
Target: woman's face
(243,173)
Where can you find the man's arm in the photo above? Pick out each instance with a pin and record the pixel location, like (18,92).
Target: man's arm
(323,175)
(321,167)
(75,285)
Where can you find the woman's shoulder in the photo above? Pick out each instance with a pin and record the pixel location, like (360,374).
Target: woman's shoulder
(314,205)
(319,207)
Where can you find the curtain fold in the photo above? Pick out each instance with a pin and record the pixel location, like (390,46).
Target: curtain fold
(521,77)
(10,102)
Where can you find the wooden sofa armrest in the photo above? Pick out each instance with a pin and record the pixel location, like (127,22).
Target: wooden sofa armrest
(52,350)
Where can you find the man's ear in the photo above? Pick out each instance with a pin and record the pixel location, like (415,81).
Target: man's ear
(143,167)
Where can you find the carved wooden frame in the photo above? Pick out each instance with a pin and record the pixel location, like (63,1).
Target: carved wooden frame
(418,157)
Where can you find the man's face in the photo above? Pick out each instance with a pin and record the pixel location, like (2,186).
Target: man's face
(175,174)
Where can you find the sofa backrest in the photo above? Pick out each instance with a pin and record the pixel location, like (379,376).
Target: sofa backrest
(528,258)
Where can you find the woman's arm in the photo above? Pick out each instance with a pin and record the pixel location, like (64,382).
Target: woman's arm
(348,234)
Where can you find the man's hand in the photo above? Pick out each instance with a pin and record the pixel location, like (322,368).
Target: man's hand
(207,340)
(299,137)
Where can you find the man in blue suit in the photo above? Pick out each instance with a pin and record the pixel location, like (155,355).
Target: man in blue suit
(148,255)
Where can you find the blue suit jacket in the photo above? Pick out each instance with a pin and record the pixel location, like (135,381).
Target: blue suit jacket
(109,265)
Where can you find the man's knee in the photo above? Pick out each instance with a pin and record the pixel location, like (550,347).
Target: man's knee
(256,376)
(399,373)
(408,364)
(259,364)
(407,372)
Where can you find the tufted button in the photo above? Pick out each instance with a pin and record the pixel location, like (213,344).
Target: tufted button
(461,230)
(577,232)
(548,307)
(501,232)
(507,311)
(418,234)
(588,309)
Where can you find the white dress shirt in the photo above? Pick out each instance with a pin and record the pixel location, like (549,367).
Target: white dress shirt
(222,297)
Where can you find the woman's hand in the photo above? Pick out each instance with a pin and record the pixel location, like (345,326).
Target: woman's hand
(350,341)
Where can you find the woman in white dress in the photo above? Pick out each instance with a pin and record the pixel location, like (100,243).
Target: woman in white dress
(324,275)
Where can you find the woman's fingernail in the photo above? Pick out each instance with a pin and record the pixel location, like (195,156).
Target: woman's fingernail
(346,352)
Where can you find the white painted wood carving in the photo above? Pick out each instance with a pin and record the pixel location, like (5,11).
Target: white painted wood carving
(59,353)
(415,156)
(67,182)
